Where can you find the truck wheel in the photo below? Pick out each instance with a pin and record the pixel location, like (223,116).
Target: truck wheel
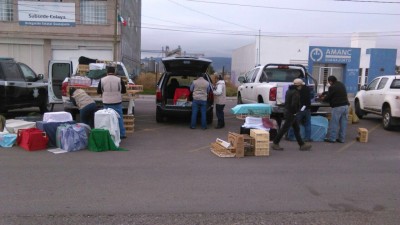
(159,116)
(210,117)
(45,106)
(359,112)
(387,119)
(239,99)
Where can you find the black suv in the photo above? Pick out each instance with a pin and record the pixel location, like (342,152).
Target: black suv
(173,96)
(21,87)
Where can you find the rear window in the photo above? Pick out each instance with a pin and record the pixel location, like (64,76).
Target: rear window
(395,84)
(282,75)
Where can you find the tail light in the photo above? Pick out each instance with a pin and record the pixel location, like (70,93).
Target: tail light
(272,94)
(158,95)
(64,87)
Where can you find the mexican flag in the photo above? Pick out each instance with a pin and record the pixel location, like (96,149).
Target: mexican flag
(120,19)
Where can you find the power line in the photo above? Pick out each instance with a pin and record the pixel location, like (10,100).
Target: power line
(295,9)
(366,1)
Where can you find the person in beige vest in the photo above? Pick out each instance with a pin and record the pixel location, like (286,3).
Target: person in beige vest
(111,88)
(200,89)
(86,105)
(220,100)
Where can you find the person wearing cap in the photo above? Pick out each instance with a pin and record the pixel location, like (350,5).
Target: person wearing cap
(292,107)
(220,100)
(304,115)
(337,99)
(111,88)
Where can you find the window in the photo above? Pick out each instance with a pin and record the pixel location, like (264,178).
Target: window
(382,83)
(93,11)
(395,84)
(372,85)
(28,73)
(6,10)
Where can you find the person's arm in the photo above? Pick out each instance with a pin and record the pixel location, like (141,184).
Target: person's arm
(191,87)
(218,90)
(99,89)
(123,87)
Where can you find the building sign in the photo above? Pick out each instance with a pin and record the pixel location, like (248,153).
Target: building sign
(331,55)
(348,58)
(57,14)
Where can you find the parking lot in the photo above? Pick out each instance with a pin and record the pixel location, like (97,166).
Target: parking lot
(169,176)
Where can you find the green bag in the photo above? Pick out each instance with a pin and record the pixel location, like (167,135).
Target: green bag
(97,74)
(100,140)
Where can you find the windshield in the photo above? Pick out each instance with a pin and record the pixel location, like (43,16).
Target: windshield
(282,75)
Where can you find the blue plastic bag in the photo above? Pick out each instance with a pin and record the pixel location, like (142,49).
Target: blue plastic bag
(74,137)
(7,140)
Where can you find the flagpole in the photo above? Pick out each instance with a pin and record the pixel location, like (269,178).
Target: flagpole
(115,30)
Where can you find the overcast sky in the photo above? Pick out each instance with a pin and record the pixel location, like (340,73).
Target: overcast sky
(217,27)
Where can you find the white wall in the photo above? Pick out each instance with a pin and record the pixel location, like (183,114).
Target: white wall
(272,50)
(243,59)
(364,41)
(28,51)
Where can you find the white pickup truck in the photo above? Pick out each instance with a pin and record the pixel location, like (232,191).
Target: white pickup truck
(269,83)
(381,97)
(60,73)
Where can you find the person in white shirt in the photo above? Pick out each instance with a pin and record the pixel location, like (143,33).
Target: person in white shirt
(220,100)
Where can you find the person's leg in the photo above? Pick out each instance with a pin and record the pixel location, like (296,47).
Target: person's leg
(285,127)
(195,108)
(118,109)
(343,123)
(203,111)
(307,125)
(220,115)
(296,129)
(92,111)
(333,124)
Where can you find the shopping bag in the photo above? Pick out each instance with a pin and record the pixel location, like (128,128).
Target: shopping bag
(7,140)
(32,139)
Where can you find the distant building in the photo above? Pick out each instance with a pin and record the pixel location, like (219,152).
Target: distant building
(355,65)
(35,32)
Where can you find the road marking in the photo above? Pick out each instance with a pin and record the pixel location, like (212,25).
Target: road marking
(354,141)
(198,149)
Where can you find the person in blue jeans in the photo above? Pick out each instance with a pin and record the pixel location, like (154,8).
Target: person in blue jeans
(111,88)
(337,98)
(200,89)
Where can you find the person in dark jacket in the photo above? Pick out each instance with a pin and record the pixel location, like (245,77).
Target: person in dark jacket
(292,107)
(337,98)
(304,116)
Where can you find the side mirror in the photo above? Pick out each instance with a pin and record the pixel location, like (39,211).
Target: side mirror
(242,79)
(40,76)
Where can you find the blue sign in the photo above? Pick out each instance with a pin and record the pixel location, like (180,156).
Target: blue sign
(348,58)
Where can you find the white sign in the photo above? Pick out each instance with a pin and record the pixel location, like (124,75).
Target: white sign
(46,14)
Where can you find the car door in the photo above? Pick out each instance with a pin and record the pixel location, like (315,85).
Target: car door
(34,91)
(249,87)
(58,71)
(369,94)
(14,84)
(378,95)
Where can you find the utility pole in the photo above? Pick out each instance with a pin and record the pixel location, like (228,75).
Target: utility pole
(115,31)
(259,46)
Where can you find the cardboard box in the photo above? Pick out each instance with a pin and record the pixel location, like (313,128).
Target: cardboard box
(362,135)
(220,151)
(129,123)
(259,134)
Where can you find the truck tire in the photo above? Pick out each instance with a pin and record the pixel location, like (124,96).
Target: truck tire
(44,106)
(387,118)
(359,112)
(239,99)
(159,116)
(210,117)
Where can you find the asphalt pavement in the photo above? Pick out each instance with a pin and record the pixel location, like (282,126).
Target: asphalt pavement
(170,176)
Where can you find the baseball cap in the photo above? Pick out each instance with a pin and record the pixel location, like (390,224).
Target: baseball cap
(298,82)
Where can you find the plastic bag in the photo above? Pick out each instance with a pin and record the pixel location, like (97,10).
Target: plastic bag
(7,140)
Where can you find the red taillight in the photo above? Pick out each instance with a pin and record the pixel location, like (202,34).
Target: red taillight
(272,94)
(64,87)
(158,95)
